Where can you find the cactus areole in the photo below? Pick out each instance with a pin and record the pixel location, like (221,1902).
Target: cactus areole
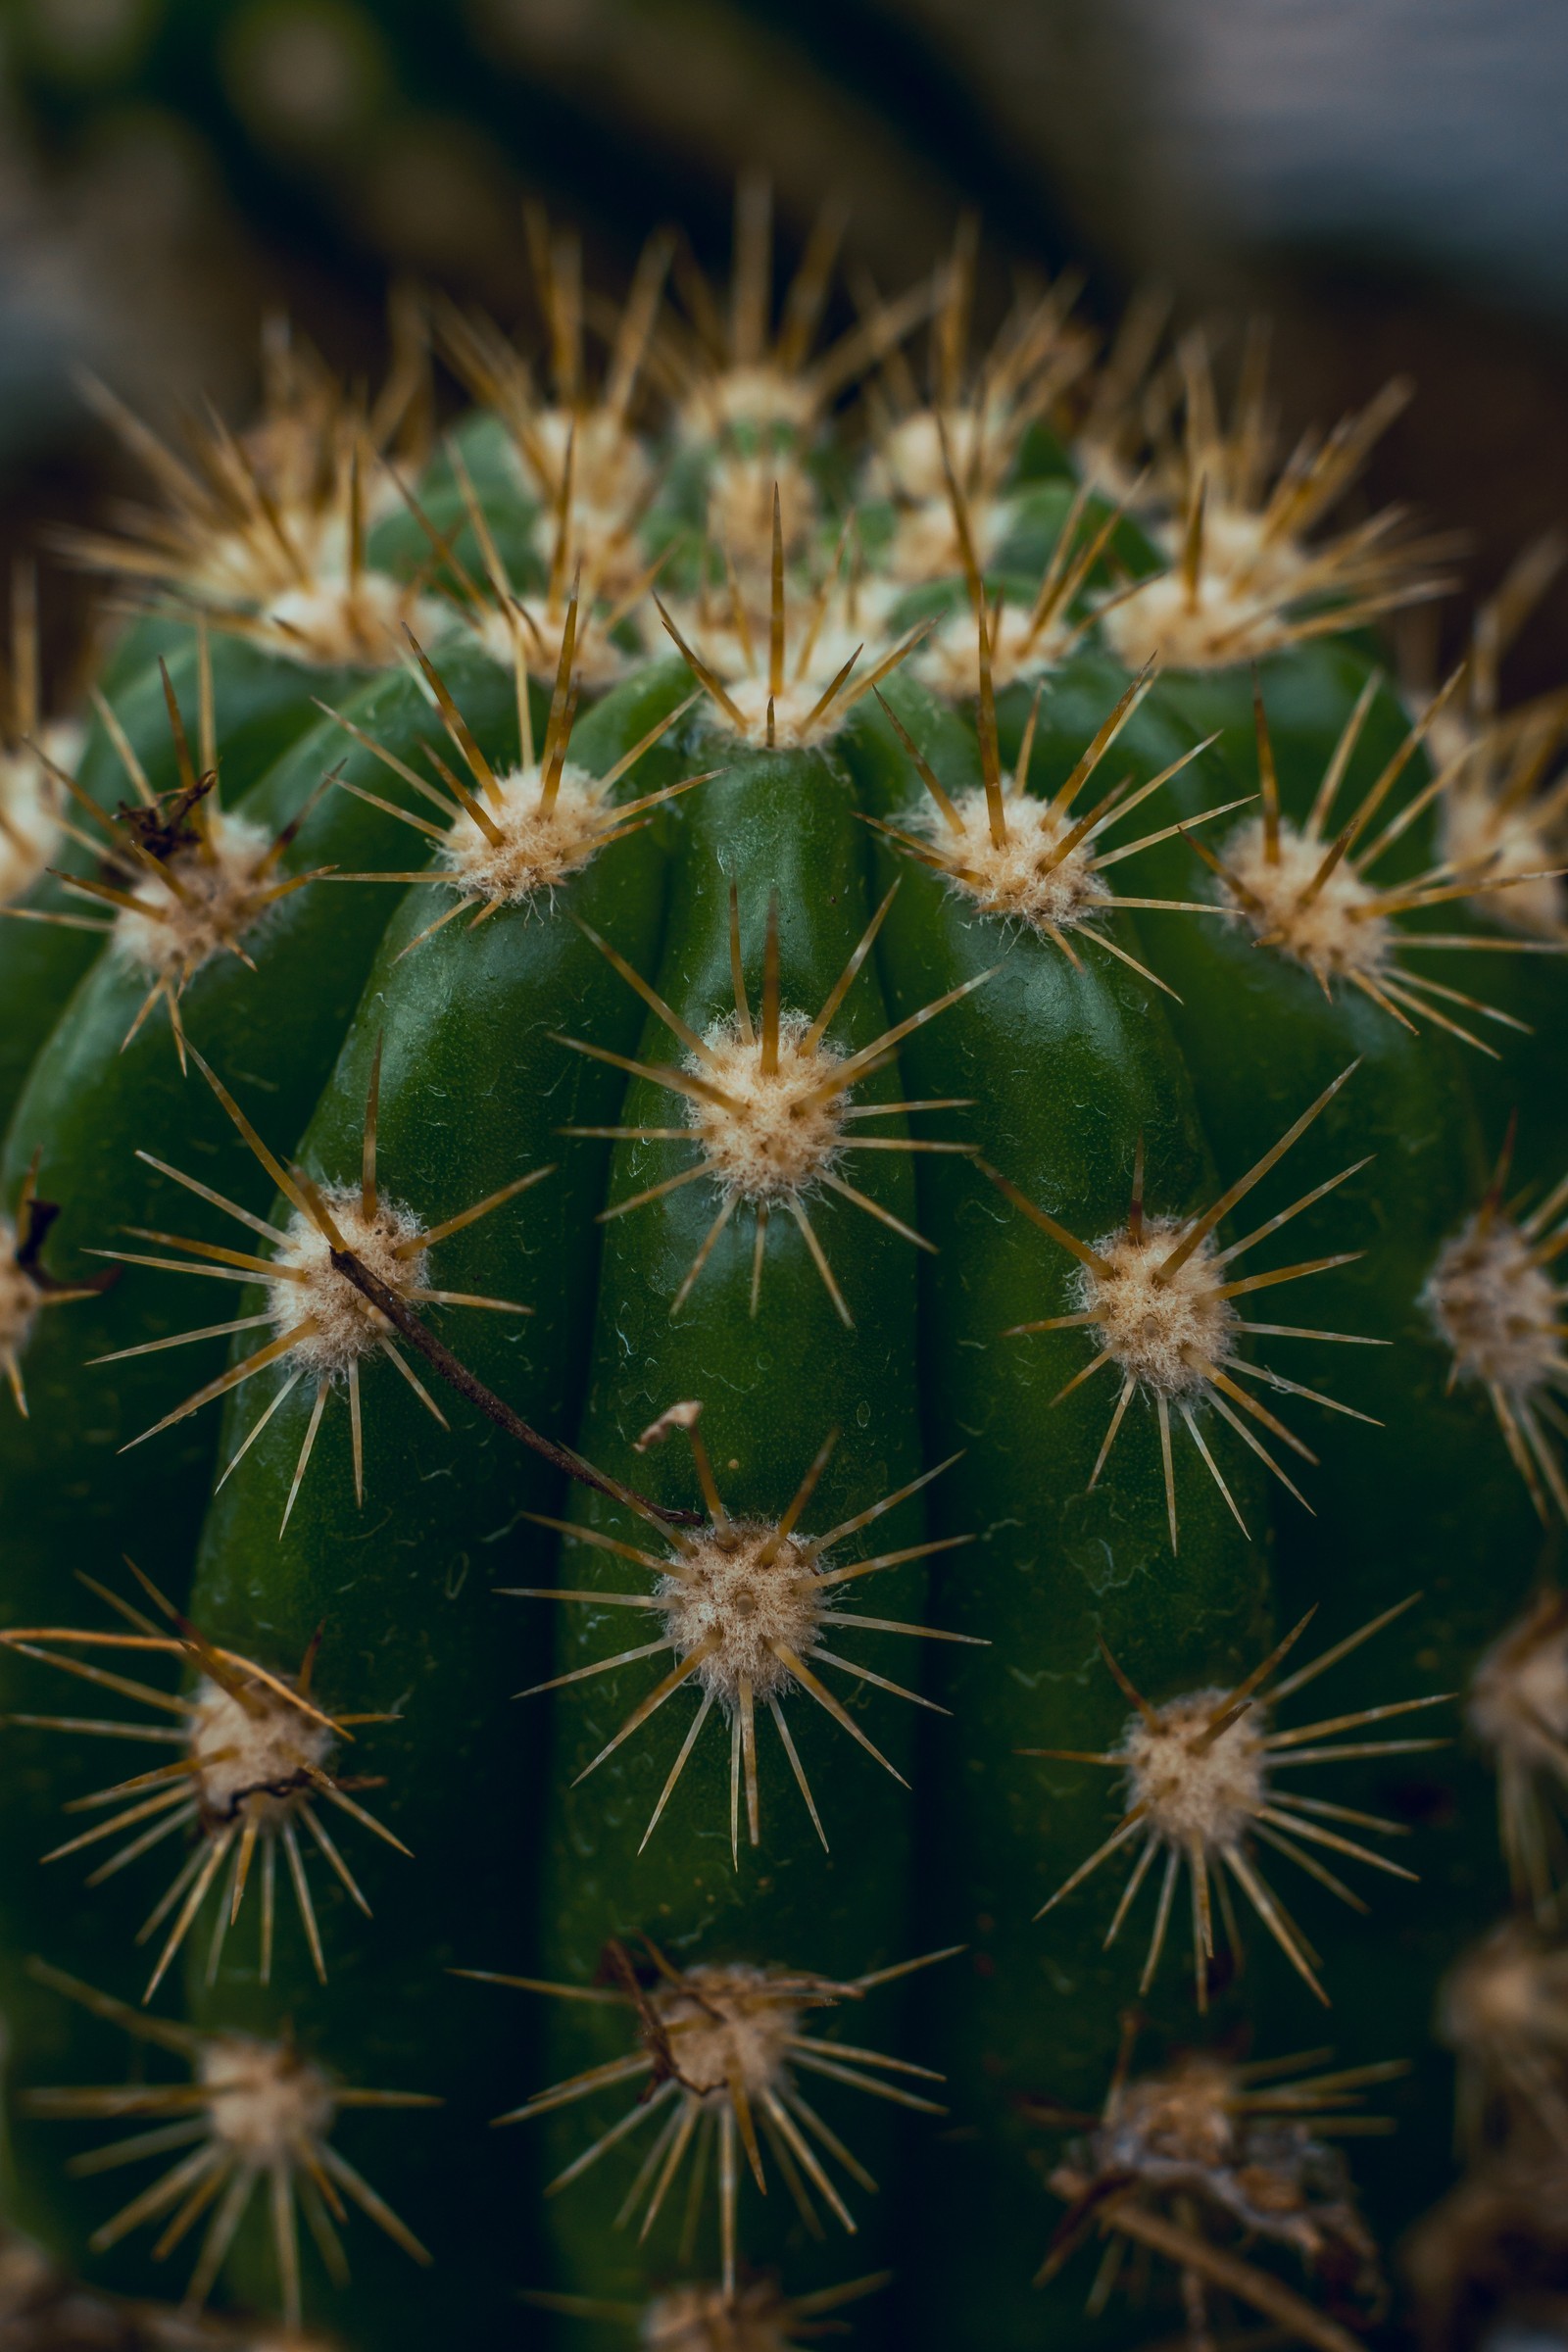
(781,1276)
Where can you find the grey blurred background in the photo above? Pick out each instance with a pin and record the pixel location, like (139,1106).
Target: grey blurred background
(1388,179)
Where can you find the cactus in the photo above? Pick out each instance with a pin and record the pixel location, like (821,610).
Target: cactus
(749,989)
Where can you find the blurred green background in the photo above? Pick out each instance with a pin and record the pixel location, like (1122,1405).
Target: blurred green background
(1386,178)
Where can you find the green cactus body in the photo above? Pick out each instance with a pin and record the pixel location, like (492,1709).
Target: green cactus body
(777,1197)
(779,1387)
(1041,1035)
(91,1105)
(442,1144)
(1387,1499)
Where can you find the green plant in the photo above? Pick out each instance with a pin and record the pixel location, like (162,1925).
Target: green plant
(777,986)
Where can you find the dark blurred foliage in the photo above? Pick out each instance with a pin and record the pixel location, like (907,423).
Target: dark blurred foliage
(1384,176)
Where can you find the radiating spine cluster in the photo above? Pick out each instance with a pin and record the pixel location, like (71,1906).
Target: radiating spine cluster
(745,1606)
(325,1328)
(1202,1783)
(1498,1306)
(1206,2151)
(189,881)
(1310,891)
(259,2113)
(258,1750)
(1157,1303)
(767,1102)
(720,2047)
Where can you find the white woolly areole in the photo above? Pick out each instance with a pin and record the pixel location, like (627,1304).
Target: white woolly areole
(255,1753)
(1517,1703)
(538,628)
(926,546)
(755,395)
(251,567)
(265,2101)
(845,643)
(726,2022)
(31,829)
(19,1295)
(539,847)
(771,1138)
(234,569)
(737,658)
(271,2335)
(1192,2131)
(796,720)
(1239,548)
(348,1327)
(1024,877)
(704,2319)
(1332,934)
(740,509)
(1492,840)
(1496,1308)
(908,461)
(1224,621)
(907,467)
(1506,1997)
(949,662)
(611,473)
(1181,2120)
(1157,1331)
(217,899)
(1197,1790)
(331,621)
(726,1584)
